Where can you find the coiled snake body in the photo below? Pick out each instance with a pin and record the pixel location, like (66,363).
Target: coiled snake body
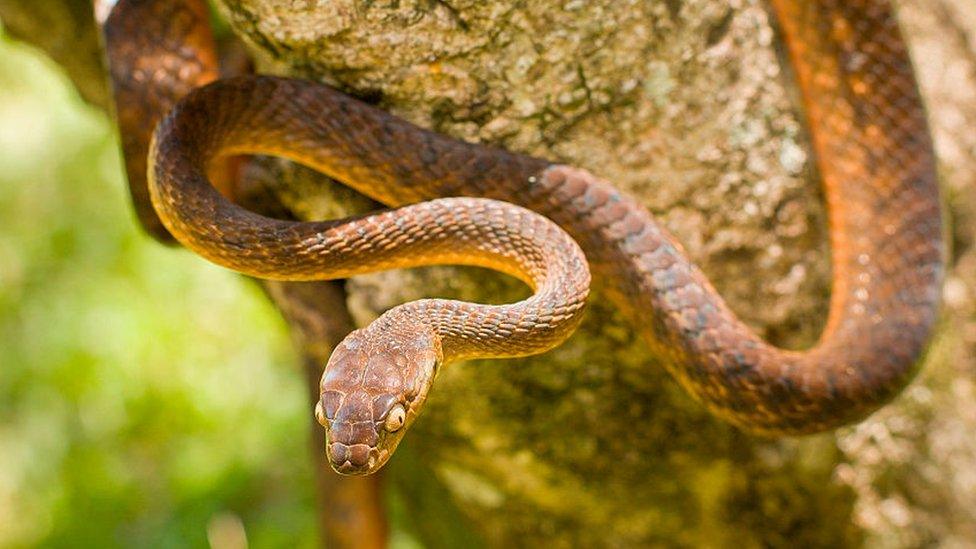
(874,154)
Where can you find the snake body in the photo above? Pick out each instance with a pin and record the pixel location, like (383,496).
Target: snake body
(873,152)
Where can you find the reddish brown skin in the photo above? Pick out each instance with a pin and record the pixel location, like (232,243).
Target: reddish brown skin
(873,151)
(156,52)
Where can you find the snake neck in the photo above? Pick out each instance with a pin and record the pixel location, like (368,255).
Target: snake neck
(465,331)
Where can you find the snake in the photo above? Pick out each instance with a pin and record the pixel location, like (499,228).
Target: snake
(473,204)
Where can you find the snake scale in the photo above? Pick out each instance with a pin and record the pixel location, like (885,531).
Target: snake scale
(873,152)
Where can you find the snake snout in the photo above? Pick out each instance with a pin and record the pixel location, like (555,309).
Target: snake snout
(352,447)
(353,459)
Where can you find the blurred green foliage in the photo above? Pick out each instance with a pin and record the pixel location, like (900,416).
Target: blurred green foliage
(145,396)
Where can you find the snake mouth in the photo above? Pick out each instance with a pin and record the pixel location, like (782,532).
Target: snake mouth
(353,459)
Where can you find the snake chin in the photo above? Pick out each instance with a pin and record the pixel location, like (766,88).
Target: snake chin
(373,389)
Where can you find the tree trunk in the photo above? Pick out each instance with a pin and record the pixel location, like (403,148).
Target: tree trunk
(688,105)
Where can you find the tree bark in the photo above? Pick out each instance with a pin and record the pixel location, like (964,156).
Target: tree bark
(688,105)
(64,30)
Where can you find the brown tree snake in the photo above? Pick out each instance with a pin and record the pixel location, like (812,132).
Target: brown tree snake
(873,152)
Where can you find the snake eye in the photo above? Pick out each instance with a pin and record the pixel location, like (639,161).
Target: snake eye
(395,419)
(320,414)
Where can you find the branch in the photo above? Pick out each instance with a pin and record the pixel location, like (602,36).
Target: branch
(65,31)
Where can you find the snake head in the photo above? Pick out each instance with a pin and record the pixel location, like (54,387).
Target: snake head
(373,388)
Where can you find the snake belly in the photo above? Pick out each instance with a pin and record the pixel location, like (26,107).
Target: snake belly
(873,152)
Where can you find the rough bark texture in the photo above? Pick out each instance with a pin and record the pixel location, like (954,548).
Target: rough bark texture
(685,104)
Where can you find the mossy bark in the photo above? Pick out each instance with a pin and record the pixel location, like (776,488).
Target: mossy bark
(688,105)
